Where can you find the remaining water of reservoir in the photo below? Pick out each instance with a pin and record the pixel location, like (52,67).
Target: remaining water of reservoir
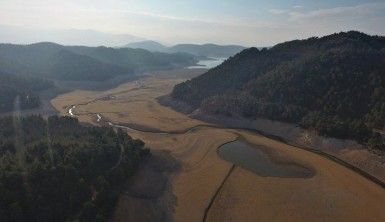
(208,64)
(254,159)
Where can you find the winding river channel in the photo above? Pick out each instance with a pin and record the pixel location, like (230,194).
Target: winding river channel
(239,152)
(230,174)
(253,158)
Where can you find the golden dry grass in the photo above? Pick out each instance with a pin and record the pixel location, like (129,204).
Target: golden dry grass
(335,193)
(133,102)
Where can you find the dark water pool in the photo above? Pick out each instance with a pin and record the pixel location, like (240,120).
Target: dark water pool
(255,159)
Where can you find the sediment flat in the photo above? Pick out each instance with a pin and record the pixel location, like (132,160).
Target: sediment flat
(208,187)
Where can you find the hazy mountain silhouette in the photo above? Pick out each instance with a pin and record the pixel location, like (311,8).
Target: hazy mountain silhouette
(147,45)
(206,50)
(51,60)
(20,35)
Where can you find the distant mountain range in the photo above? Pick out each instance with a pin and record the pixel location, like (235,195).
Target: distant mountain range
(334,84)
(21,35)
(54,61)
(206,50)
(92,38)
(147,45)
(26,70)
(84,37)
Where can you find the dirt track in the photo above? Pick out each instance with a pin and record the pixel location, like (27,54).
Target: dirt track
(335,193)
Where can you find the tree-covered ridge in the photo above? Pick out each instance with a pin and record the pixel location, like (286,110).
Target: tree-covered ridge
(50,60)
(58,170)
(334,84)
(135,59)
(20,91)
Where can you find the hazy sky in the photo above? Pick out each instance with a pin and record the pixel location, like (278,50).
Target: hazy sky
(247,22)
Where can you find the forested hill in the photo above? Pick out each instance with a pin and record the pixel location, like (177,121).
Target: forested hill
(334,84)
(58,170)
(20,92)
(147,45)
(50,60)
(136,59)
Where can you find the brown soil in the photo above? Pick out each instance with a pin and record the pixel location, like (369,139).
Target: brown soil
(203,185)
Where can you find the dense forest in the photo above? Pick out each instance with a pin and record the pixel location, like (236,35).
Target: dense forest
(25,70)
(58,170)
(50,60)
(333,84)
(20,91)
(136,59)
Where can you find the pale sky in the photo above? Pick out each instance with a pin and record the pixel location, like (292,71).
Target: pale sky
(245,22)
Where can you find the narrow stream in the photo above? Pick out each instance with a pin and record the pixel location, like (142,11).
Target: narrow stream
(254,159)
(70,111)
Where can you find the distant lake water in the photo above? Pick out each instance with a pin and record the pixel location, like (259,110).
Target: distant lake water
(208,63)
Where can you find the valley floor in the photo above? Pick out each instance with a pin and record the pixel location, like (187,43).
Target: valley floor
(206,188)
